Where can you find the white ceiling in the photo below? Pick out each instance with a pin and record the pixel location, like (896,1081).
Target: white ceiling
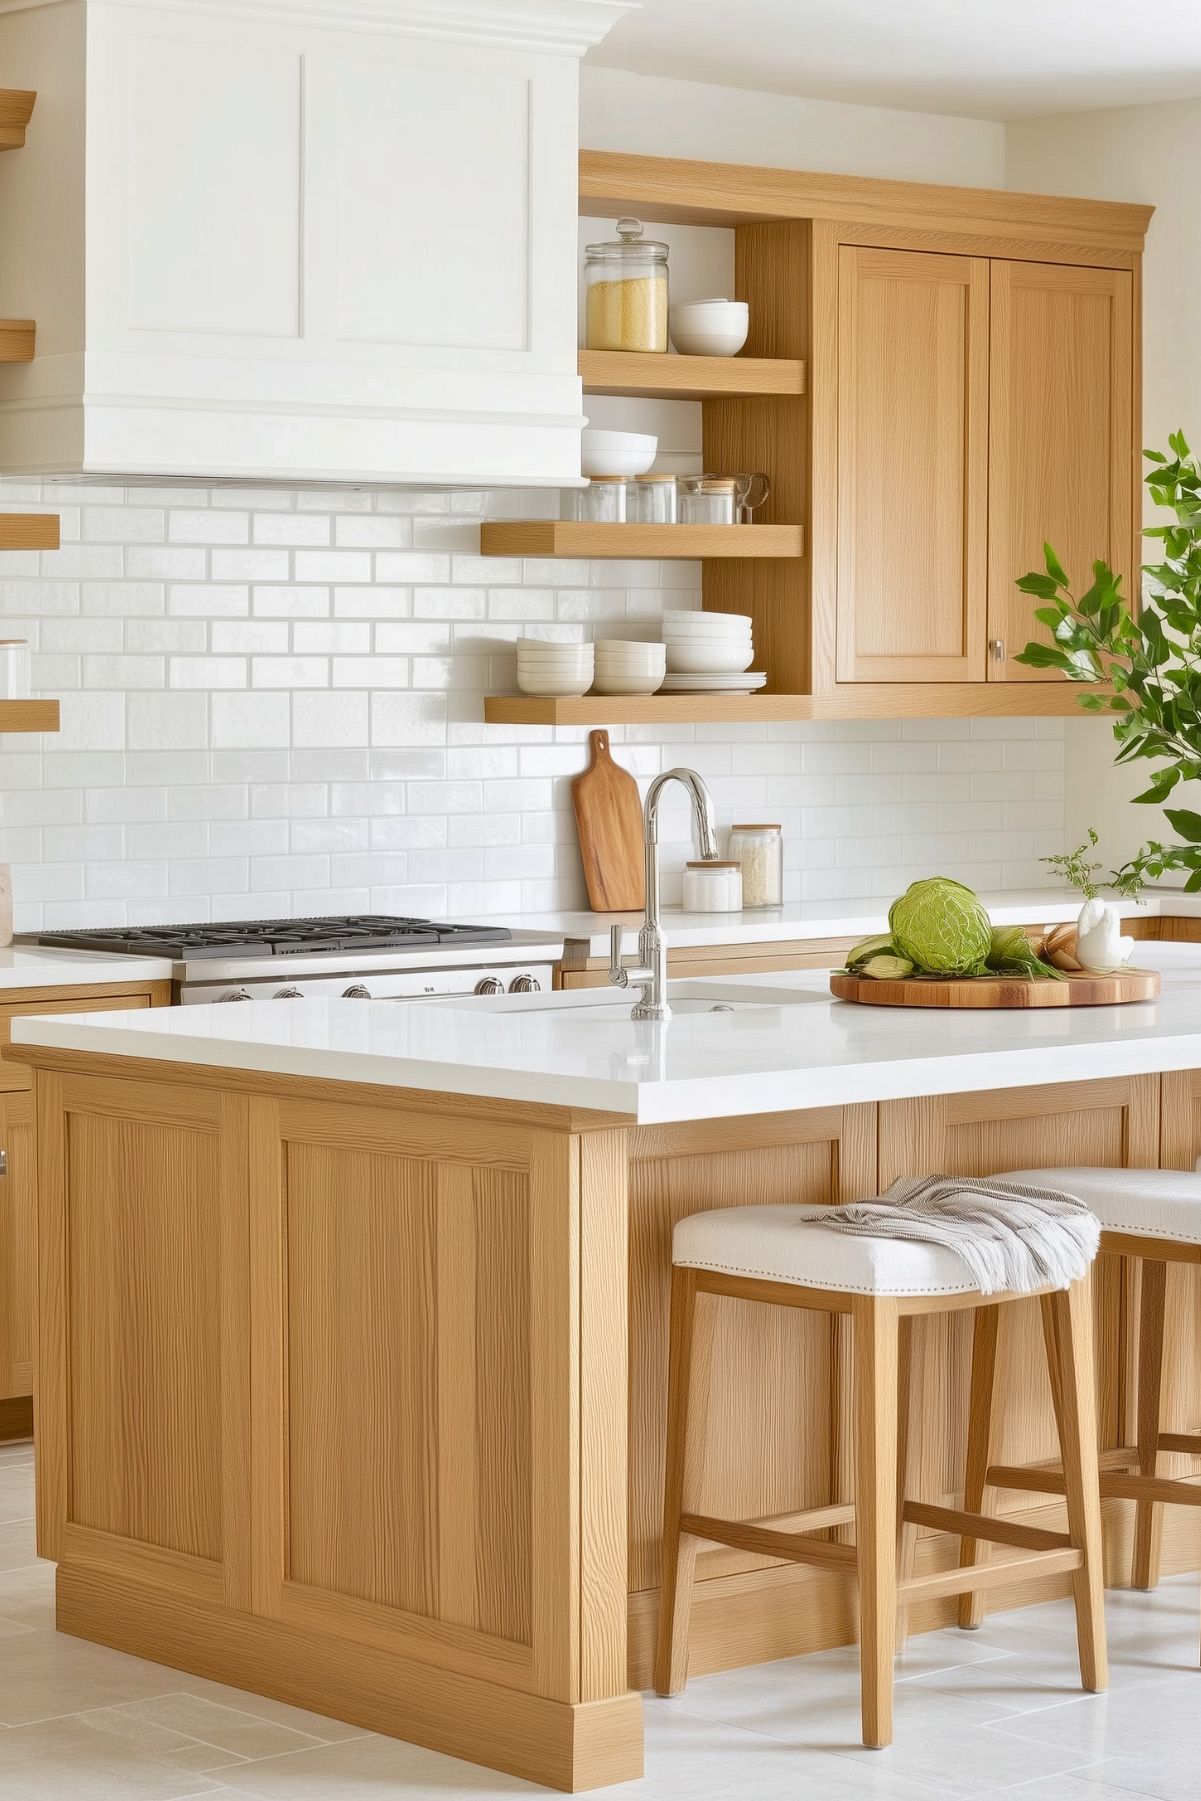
(981,59)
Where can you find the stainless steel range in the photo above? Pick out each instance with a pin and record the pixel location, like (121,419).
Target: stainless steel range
(363,956)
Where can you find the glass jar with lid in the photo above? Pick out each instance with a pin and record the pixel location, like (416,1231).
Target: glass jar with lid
(625,283)
(708,500)
(760,851)
(602,502)
(712,887)
(651,500)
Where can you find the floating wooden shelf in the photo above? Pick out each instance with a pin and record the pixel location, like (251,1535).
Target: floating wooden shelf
(17,340)
(689,377)
(16,105)
(28,531)
(866,701)
(554,538)
(28,715)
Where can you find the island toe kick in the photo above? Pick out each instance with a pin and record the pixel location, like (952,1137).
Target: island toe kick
(356,1396)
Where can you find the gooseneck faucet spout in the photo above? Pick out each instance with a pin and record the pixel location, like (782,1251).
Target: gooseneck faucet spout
(651,975)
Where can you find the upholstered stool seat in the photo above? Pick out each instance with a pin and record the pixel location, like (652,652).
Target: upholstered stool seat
(785,1244)
(780,1256)
(1150,1218)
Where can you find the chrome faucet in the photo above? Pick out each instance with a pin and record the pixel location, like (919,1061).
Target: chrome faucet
(650,974)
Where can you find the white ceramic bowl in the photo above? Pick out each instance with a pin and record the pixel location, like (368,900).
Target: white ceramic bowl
(642,647)
(616,452)
(695,616)
(709,327)
(616,659)
(583,655)
(612,683)
(605,668)
(705,633)
(695,659)
(553,684)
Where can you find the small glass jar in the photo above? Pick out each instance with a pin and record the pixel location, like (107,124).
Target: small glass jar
(759,850)
(625,291)
(712,887)
(651,500)
(708,500)
(602,502)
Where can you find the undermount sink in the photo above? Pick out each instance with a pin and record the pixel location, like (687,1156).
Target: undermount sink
(687,998)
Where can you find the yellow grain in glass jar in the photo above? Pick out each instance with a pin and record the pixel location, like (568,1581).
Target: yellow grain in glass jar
(626,282)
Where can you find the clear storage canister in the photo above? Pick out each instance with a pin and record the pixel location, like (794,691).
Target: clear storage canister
(712,887)
(651,500)
(602,502)
(708,500)
(625,283)
(760,851)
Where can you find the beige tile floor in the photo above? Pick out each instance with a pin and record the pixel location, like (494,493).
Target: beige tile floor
(991,1713)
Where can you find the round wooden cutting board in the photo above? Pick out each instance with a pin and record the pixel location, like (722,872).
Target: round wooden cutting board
(998,991)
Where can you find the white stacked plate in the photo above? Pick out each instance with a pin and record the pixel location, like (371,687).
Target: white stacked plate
(718,644)
(556,669)
(746,683)
(629,666)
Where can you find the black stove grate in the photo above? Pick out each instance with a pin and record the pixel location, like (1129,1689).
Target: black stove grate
(275,937)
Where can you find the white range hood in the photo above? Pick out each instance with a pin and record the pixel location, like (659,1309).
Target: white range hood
(295,240)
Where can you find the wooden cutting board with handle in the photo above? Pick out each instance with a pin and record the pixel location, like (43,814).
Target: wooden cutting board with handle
(608,818)
(1076,990)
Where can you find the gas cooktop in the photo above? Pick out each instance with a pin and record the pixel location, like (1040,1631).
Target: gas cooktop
(275,937)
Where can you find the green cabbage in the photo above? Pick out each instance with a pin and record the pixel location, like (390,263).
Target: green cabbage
(941,927)
(1012,954)
(885,967)
(871,947)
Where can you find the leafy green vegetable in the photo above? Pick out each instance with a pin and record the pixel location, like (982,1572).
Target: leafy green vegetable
(881,944)
(884,967)
(941,927)
(1012,954)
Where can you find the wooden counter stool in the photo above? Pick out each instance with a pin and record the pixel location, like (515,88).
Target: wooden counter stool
(769,1254)
(1153,1215)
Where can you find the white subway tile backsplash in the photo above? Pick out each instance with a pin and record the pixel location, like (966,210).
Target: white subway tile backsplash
(271,703)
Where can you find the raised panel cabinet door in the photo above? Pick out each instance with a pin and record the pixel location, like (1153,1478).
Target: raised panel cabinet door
(912,466)
(1063,455)
(17,1256)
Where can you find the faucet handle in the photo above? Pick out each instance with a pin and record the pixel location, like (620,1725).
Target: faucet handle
(617,970)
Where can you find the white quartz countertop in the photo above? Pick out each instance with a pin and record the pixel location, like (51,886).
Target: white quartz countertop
(785,1044)
(829,919)
(45,966)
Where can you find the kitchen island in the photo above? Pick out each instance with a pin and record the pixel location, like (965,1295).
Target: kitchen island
(353,1318)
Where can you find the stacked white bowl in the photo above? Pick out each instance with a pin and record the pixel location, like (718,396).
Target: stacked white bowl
(714,644)
(629,666)
(546,668)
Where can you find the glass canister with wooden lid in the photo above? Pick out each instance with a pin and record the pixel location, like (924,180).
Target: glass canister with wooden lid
(625,282)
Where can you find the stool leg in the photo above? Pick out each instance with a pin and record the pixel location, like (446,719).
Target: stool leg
(1148,1516)
(687,1405)
(911,1371)
(875,1364)
(985,1329)
(1072,1310)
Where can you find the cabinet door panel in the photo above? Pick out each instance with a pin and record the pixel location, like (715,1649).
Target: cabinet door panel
(17,1223)
(912,465)
(1062,454)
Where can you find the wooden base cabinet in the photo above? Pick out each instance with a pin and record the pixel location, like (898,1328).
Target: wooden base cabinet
(18,1221)
(356,1397)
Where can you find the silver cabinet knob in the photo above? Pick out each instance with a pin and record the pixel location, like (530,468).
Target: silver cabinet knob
(490,985)
(237,994)
(356,992)
(526,984)
(288,994)
(3,1163)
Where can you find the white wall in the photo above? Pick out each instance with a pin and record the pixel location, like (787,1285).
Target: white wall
(1149,154)
(272,700)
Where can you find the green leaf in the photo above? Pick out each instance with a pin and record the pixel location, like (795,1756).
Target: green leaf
(1054,567)
(1043,656)
(1042,585)
(1187,824)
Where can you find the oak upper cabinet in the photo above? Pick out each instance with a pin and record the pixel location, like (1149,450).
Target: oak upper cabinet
(1063,460)
(912,465)
(318,242)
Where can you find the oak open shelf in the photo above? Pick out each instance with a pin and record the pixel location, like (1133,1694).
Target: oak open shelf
(995,700)
(28,715)
(29,531)
(565,538)
(17,340)
(16,106)
(662,377)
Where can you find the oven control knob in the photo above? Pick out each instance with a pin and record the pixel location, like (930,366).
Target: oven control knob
(288,994)
(525,985)
(356,992)
(237,994)
(490,985)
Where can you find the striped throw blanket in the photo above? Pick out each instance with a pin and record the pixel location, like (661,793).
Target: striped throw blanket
(1012,1237)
